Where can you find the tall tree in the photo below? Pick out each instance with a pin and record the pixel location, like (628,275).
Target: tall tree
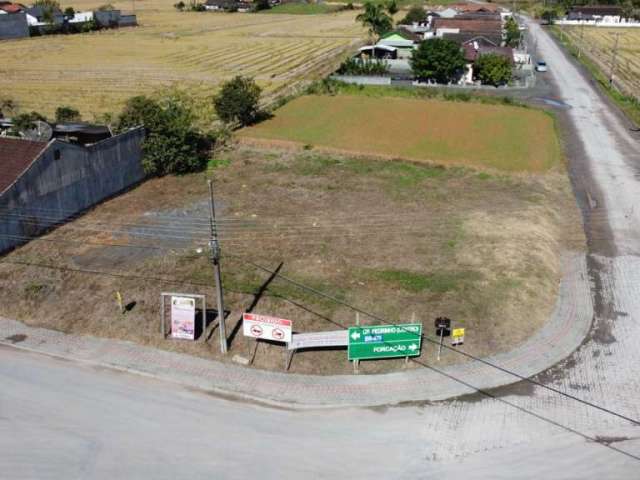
(512,33)
(438,60)
(375,19)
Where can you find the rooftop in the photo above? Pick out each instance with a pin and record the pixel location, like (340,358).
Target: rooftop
(15,157)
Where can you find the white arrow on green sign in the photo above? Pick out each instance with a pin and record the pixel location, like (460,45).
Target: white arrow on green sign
(385,341)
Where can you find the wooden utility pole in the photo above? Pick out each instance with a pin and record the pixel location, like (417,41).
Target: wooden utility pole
(614,54)
(215,260)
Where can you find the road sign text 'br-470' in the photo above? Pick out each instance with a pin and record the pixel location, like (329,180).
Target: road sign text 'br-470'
(385,341)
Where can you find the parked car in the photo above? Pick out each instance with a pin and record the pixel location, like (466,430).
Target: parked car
(541,66)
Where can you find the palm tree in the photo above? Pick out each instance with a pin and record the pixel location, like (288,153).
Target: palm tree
(375,19)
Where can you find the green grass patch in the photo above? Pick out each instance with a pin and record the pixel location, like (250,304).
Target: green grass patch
(501,137)
(436,282)
(303,9)
(334,87)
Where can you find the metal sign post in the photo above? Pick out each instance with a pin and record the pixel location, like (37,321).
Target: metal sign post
(443,329)
(356,362)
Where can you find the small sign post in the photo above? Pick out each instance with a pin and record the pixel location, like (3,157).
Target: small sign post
(457,337)
(443,329)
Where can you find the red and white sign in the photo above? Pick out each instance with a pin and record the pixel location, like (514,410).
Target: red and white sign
(266,328)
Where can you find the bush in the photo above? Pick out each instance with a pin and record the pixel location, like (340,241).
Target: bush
(355,66)
(437,60)
(67,114)
(25,121)
(493,69)
(415,14)
(179,6)
(107,7)
(172,144)
(69,12)
(261,5)
(238,101)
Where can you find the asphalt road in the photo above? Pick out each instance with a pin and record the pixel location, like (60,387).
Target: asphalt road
(63,420)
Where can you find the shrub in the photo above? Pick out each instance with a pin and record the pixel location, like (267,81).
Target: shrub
(25,121)
(493,69)
(238,101)
(355,66)
(261,5)
(179,6)
(67,114)
(415,14)
(172,144)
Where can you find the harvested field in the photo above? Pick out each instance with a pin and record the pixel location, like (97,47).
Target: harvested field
(504,138)
(97,72)
(598,44)
(394,238)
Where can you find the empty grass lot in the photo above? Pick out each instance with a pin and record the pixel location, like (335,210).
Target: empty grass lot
(505,138)
(392,237)
(196,51)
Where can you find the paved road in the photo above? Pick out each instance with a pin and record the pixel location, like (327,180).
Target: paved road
(62,420)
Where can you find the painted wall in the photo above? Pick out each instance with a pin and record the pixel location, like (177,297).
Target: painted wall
(65,180)
(13,25)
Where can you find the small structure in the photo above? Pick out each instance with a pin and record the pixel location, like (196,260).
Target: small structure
(378,52)
(596,13)
(474,50)
(13,25)
(402,40)
(62,179)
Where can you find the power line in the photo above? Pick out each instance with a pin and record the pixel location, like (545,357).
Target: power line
(468,355)
(438,371)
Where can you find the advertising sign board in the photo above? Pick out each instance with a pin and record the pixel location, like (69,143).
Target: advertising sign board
(183,318)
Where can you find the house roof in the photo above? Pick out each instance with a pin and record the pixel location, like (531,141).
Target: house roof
(471,53)
(598,10)
(478,26)
(15,157)
(401,34)
(475,7)
(493,38)
(11,7)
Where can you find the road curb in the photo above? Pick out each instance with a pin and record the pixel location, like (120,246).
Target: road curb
(561,335)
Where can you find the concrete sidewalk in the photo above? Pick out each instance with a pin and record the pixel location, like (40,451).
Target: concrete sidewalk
(562,334)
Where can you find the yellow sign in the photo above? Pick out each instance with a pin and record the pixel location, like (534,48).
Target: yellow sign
(458,332)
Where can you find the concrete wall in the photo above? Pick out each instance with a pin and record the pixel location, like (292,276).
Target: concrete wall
(65,180)
(362,79)
(13,25)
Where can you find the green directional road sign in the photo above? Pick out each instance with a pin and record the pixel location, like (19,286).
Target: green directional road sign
(385,341)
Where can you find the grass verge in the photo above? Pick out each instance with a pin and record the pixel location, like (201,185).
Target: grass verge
(628,104)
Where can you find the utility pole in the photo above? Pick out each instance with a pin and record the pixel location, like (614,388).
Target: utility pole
(614,54)
(215,260)
(581,43)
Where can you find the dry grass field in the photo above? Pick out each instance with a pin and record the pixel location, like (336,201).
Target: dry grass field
(598,44)
(97,72)
(501,137)
(394,238)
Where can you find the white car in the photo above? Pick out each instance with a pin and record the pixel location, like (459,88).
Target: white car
(541,66)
